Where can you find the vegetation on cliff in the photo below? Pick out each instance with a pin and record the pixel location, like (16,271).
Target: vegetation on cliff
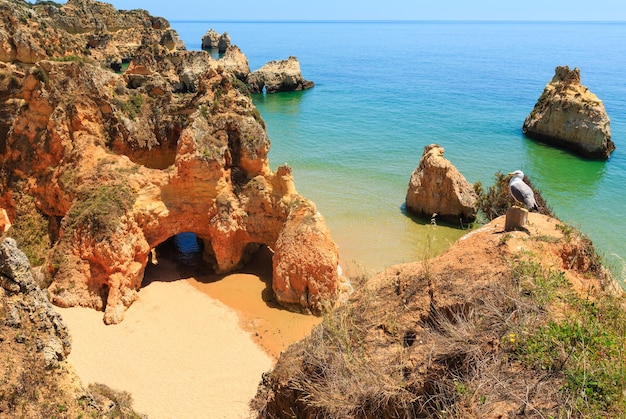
(503,323)
(36,380)
(496,200)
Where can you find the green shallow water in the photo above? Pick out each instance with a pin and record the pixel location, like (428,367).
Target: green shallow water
(384,90)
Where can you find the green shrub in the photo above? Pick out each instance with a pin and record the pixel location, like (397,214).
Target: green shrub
(497,199)
(132,107)
(100,209)
(40,74)
(30,230)
(121,401)
(70,58)
(587,346)
(240,86)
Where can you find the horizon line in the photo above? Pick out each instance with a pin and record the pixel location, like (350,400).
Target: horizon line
(393,21)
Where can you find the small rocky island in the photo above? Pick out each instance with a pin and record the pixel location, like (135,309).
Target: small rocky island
(213,40)
(278,76)
(439,191)
(274,77)
(568,115)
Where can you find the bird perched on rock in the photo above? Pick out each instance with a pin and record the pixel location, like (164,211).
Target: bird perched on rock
(521,191)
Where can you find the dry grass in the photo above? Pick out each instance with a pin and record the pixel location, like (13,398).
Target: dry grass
(523,341)
(340,379)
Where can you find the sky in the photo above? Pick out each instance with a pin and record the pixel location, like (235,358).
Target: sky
(586,10)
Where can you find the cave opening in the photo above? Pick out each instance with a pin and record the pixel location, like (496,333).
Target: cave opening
(184,255)
(178,257)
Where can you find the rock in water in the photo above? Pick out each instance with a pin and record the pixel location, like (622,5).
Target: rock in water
(568,115)
(278,76)
(437,187)
(213,40)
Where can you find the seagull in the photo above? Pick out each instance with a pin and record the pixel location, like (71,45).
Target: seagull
(521,191)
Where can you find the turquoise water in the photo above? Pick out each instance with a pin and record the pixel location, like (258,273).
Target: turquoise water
(384,90)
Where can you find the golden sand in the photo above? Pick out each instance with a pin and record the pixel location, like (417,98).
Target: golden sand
(190,347)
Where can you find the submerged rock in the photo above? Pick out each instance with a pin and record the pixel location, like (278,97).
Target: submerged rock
(278,76)
(568,115)
(437,188)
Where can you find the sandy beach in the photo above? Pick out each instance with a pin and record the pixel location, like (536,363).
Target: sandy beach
(192,347)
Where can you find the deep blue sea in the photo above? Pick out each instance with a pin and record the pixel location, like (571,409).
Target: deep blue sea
(384,90)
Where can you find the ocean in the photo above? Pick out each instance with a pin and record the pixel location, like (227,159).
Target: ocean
(384,90)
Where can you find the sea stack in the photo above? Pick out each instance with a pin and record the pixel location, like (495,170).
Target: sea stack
(278,76)
(437,187)
(213,40)
(568,115)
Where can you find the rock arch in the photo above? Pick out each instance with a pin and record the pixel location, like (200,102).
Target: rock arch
(115,208)
(117,163)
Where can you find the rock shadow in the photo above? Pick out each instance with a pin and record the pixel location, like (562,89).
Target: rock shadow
(181,257)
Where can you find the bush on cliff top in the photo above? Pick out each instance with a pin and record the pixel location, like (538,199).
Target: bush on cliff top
(497,199)
(100,209)
(526,343)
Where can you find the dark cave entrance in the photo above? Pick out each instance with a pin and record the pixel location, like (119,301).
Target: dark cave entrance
(178,257)
(183,256)
(186,248)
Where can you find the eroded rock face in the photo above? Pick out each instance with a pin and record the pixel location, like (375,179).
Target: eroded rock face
(23,300)
(117,164)
(437,187)
(568,115)
(78,28)
(278,76)
(305,253)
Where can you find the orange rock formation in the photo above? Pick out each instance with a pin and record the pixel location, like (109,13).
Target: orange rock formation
(568,115)
(118,163)
(438,189)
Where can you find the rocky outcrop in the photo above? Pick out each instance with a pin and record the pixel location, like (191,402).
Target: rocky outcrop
(437,189)
(568,115)
(304,255)
(278,76)
(78,28)
(118,163)
(23,301)
(37,380)
(236,62)
(213,40)
(462,333)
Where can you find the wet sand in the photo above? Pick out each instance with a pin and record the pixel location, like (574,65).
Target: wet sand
(192,347)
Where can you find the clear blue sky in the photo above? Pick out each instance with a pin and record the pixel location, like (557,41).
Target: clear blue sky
(382,9)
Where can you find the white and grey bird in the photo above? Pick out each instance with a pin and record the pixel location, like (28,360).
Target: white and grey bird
(521,191)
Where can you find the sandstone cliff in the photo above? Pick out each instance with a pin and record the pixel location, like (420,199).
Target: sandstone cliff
(500,325)
(278,76)
(22,297)
(83,28)
(437,188)
(568,115)
(36,379)
(115,164)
